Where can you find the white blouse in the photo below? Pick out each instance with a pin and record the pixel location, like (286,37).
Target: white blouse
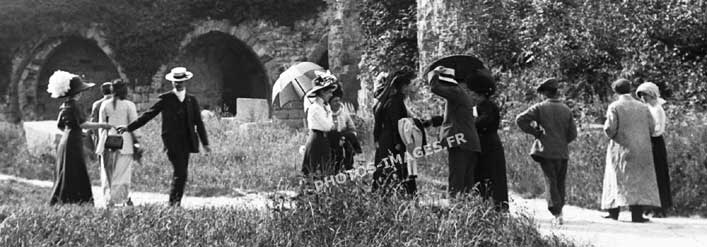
(659,117)
(123,113)
(319,115)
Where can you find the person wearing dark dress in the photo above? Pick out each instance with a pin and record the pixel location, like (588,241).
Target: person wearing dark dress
(71,182)
(491,171)
(391,168)
(318,159)
(182,128)
(650,95)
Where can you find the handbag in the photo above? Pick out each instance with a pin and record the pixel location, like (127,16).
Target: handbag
(114,142)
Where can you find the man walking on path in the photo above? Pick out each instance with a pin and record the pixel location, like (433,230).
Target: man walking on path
(553,127)
(180,116)
(629,175)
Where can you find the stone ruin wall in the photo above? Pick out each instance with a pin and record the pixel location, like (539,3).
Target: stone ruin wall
(334,37)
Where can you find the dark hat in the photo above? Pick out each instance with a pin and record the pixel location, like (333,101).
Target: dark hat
(78,85)
(64,84)
(621,86)
(480,81)
(548,84)
(463,65)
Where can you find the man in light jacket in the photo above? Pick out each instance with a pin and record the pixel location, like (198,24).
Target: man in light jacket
(629,176)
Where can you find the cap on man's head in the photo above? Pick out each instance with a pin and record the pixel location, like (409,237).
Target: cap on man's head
(549,84)
(107,88)
(621,86)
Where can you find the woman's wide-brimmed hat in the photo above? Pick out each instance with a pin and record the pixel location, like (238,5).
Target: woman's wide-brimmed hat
(324,80)
(400,77)
(64,84)
(179,74)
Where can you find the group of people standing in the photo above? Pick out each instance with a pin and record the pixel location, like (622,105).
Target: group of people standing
(468,130)
(116,118)
(636,173)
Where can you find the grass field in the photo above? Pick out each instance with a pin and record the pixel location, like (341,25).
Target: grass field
(265,158)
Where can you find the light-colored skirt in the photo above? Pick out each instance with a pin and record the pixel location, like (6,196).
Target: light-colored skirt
(116,172)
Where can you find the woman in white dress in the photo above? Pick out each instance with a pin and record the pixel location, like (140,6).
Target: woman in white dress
(116,165)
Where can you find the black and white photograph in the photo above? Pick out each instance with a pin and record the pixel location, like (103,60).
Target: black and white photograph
(528,123)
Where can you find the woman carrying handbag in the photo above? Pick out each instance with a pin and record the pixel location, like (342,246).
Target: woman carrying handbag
(116,150)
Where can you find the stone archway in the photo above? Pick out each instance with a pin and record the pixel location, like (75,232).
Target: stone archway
(225,68)
(84,51)
(73,54)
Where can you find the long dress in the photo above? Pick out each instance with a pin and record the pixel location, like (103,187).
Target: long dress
(629,176)
(491,171)
(71,183)
(317,155)
(391,167)
(116,165)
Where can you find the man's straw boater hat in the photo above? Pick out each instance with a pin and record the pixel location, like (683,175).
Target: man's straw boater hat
(179,74)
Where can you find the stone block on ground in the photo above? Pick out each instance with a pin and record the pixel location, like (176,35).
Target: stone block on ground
(252,109)
(42,136)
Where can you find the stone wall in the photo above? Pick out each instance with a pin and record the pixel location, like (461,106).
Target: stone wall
(345,39)
(441,30)
(334,38)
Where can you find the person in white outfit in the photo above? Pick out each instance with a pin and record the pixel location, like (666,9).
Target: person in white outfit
(116,165)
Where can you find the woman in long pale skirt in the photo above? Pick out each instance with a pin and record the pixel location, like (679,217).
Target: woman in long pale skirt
(650,94)
(116,165)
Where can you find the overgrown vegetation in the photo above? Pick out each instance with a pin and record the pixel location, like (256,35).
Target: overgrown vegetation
(143,33)
(344,216)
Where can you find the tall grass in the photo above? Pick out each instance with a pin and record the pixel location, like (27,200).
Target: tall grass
(342,216)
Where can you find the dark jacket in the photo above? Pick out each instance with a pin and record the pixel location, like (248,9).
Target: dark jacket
(385,129)
(180,122)
(458,117)
(555,128)
(487,123)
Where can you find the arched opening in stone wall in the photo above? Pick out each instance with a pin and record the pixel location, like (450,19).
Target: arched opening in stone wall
(225,68)
(76,55)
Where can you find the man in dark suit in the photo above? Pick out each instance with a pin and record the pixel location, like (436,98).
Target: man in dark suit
(458,132)
(180,115)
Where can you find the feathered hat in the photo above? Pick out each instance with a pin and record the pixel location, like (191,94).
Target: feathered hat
(65,84)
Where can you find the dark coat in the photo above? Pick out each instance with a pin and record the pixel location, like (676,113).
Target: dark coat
(385,129)
(179,130)
(491,170)
(458,117)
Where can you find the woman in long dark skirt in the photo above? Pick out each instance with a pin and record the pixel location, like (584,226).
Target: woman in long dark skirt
(650,94)
(491,171)
(317,155)
(391,167)
(71,184)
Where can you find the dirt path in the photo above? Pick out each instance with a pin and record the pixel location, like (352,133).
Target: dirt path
(581,225)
